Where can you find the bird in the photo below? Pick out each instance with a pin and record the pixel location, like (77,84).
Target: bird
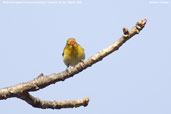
(73,53)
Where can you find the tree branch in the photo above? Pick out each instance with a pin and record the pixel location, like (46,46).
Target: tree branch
(42,81)
(36,102)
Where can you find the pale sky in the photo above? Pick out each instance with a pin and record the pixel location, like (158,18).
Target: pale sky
(134,80)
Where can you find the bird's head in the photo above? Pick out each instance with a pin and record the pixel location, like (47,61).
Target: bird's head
(71,43)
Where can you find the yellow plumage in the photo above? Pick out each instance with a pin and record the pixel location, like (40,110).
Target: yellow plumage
(73,53)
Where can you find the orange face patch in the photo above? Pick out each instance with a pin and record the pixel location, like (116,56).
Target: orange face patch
(71,42)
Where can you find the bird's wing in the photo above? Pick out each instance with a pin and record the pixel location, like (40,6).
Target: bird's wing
(63,52)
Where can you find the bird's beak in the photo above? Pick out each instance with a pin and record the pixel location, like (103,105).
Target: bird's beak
(72,46)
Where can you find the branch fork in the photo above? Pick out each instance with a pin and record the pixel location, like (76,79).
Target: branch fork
(22,90)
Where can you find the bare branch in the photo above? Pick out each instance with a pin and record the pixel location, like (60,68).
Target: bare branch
(43,81)
(36,102)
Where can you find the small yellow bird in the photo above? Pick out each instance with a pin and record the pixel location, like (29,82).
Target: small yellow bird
(73,53)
